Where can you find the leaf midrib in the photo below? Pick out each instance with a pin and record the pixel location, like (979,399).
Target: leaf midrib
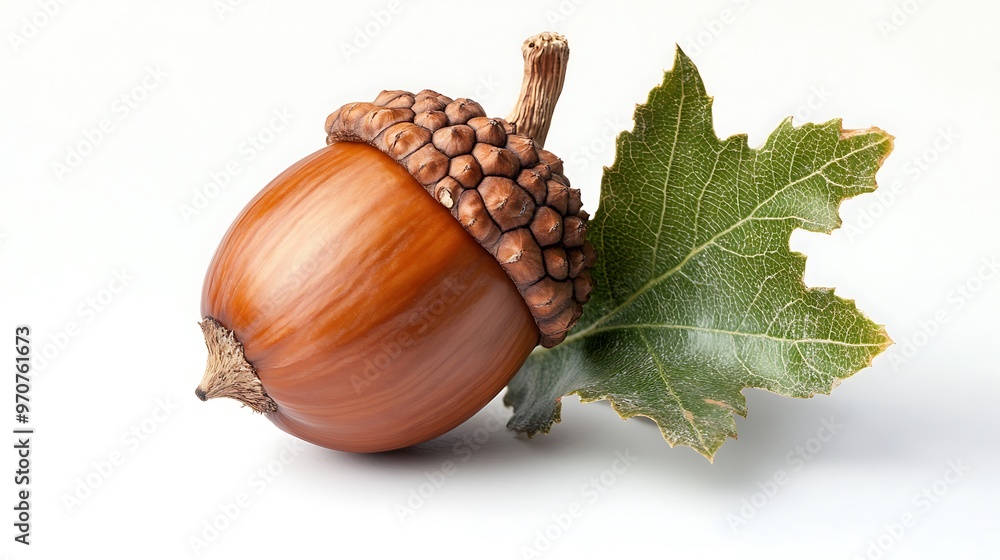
(668,326)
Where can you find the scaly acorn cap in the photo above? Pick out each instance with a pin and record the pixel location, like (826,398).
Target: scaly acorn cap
(508,192)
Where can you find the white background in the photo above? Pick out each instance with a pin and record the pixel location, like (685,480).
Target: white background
(927,72)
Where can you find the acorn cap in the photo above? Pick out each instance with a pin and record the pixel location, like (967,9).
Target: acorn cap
(506,191)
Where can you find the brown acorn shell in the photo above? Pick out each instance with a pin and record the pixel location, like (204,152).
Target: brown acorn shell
(317,279)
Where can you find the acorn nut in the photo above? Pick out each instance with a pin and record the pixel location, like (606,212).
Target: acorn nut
(384,289)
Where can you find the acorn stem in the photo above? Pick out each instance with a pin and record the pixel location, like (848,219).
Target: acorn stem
(545,59)
(228,373)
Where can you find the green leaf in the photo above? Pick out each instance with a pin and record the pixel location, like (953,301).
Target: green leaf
(697,294)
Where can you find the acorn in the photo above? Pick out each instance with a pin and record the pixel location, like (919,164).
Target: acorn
(381,291)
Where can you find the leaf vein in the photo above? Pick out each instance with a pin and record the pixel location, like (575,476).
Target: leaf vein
(666,179)
(765,336)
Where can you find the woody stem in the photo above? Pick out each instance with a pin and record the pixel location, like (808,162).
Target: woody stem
(545,59)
